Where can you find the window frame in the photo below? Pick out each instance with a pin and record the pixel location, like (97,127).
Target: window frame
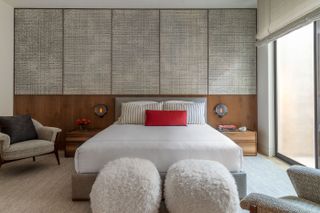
(316,50)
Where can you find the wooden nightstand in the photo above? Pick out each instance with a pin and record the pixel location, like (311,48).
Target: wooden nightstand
(75,138)
(246,140)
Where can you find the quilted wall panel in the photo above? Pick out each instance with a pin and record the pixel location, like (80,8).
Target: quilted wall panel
(232,51)
(87,51)
(183,51)
(38,51)
(135,52)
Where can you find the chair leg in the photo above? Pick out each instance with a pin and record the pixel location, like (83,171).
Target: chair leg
(34,158)
(253,209)
(1,161)
(57,156)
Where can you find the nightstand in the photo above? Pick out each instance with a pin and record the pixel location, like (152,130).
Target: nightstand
(75,138)
(246,140)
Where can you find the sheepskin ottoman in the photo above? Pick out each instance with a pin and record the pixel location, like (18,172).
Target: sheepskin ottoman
(127,185)
(200,186)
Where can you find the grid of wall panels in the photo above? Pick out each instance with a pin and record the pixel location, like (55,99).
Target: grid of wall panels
(87,51)
(91,51)
(135,52)
(232,51)
(183,51)
(38,51)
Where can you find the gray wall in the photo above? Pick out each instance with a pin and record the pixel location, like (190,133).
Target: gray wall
(80,51)
(232,52)
(38,51)
(135,52)
(183,52)
(87,52)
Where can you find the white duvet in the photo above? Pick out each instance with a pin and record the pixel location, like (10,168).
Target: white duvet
(161,145)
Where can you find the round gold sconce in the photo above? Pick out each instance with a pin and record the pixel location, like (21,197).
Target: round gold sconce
(100,110)
(221,110)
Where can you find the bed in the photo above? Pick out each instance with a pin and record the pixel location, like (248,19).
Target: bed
(163,145)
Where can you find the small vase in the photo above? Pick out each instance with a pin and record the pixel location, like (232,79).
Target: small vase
(82,127)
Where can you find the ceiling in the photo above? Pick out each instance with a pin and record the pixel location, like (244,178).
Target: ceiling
(132,3)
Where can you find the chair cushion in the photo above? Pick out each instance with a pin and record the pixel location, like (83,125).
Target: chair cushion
(27,149)
(302,203)
(19,128)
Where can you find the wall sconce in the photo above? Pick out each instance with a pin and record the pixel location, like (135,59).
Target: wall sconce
(100,110)
(221,110)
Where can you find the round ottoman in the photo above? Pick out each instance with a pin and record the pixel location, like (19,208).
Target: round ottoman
(200,186)
(127,185)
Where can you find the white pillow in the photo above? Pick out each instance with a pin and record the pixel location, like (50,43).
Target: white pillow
(135,113)
(179,101)
(142,102)
(195,111)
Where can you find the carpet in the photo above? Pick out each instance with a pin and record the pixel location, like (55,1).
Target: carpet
(43,186)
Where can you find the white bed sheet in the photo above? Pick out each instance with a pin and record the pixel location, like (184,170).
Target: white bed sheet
(161,145)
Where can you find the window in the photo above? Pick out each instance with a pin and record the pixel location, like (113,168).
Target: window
(295,96)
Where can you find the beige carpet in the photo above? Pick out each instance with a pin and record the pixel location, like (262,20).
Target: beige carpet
(43,186)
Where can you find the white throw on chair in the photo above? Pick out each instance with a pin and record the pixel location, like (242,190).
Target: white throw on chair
(127,185)
(200,186)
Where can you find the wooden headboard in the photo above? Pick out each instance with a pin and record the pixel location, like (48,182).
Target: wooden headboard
(120,100)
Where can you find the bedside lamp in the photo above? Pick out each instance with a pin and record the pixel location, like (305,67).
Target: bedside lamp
(221,110)
(100,110)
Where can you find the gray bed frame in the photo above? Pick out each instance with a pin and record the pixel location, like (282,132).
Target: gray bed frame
(82,183)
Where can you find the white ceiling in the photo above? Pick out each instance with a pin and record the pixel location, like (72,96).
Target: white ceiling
(132,3)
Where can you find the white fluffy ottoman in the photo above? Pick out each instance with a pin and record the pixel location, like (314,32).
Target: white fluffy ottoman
(200,186)
(127,185)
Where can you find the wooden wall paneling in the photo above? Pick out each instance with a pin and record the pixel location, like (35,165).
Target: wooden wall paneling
(44,108)
(135,52)
(232,51)
(62,111)
(76,106)
(183,52)
(38,51)
(87,51)
(242,110)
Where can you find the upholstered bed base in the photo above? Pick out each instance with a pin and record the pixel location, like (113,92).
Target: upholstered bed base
(82,183)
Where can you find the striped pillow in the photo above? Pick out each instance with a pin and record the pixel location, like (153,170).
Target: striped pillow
(195,111)
(132,113)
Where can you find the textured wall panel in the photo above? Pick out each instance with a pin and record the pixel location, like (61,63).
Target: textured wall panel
(232,51)
(135,52)
(38,51)
(87,51)
(183,52)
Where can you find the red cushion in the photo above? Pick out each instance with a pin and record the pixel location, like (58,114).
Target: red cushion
(166,118)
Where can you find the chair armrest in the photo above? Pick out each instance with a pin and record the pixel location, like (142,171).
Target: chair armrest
(45,132)
(4,142)
(48,133)
(265,203)
(306,182)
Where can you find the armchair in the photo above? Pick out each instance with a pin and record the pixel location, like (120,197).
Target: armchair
(306,182)
(45,144)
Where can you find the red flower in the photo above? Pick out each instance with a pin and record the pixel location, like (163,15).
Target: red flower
(82,121)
